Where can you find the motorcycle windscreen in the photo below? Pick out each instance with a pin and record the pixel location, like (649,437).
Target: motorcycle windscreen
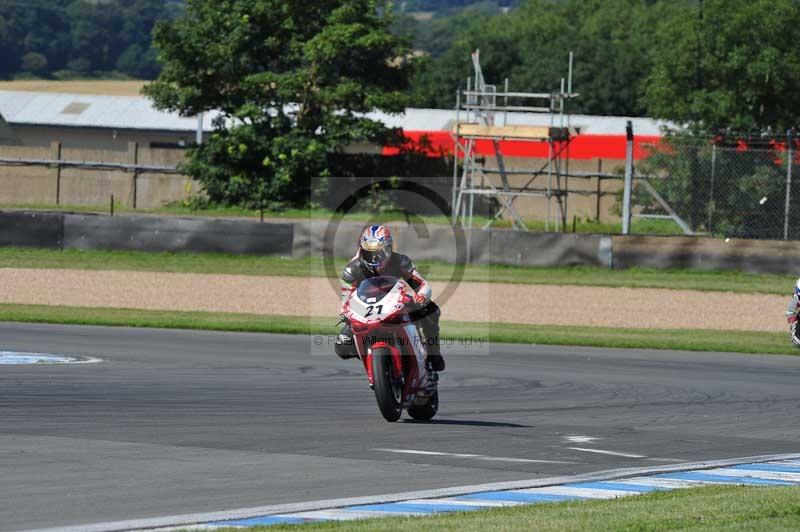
(374,289)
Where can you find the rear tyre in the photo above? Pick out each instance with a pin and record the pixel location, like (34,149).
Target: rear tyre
(426,412)
(388,390)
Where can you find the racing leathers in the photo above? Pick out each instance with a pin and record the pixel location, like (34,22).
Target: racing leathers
(792,316)
(426,312)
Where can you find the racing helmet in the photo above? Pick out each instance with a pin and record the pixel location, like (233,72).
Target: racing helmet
(797,290)
(375,247)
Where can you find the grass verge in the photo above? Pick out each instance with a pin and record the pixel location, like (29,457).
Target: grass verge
(677,339)
(728,281)
(711,508)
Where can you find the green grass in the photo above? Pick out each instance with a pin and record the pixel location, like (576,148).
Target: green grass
(713,508)
(728,281)
(581,225)
(679,339)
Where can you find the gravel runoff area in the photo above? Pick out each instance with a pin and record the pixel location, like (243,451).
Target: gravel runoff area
(477,302)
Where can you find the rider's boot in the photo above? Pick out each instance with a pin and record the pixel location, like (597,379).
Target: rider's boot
(344,346)
(435,359)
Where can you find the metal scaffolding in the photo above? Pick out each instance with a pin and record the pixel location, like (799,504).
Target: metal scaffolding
(482,114)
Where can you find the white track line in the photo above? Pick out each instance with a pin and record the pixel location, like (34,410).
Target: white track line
(665,483)
(589,493)
(601,451)
(472,456)
(350,515)
(472,503)
(581,439)
(754,473)
(791,462)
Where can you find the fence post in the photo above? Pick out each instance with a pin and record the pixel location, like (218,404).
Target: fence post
(626,197)
(599,191)
(55,153)
(199,134)
(789,155)
(133,153)
(711,204)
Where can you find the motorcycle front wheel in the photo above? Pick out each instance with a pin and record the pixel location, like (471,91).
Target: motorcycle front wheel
(388,390)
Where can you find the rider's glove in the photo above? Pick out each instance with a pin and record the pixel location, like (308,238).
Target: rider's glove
(420,299)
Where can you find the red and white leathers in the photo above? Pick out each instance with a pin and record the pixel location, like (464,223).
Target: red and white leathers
(398,265)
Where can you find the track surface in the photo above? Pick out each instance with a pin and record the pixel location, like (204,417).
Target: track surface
(181,421)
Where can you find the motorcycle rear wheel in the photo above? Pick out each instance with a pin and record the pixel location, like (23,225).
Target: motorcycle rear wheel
(388,390)
(426,412)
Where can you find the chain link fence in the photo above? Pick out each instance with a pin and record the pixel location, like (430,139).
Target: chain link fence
(739,189)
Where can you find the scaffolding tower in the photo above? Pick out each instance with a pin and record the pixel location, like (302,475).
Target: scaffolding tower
(482,114)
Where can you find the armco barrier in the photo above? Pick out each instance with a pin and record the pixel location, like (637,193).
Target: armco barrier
(422,242)
(145,233)
(540,249)
(440,243)
(752,256)
(32,229)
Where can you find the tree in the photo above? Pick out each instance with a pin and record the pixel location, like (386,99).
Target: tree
(612,44)
(292,79)
(728,64)
(38,26)
(33,62)
(530,45)
(138,62)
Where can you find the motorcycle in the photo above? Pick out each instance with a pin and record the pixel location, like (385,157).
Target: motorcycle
(392,349)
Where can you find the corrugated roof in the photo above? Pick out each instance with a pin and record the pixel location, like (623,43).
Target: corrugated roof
(137,112)
(84,110)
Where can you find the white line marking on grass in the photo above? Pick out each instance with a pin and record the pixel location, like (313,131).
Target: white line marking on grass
(473,456)
(601,451)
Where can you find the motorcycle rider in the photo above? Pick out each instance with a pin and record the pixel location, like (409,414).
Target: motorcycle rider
(374,258)
(792,315)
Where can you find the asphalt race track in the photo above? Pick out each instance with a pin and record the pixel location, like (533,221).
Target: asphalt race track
(175,422)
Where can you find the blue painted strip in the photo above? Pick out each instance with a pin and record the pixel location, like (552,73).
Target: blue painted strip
(265,520)
(708,477)
(405,507)
(779,468)
(616,486)
(515,496)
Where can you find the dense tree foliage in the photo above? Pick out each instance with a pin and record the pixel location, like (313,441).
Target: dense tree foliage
(449,5)
(292,79)
(715,63)
(613,42)
(728,64)
(69,38)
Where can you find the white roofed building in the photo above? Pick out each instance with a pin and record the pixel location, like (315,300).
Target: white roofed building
(106,122)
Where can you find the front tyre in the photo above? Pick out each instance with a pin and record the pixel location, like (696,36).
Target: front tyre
(426,412)
(388,390)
